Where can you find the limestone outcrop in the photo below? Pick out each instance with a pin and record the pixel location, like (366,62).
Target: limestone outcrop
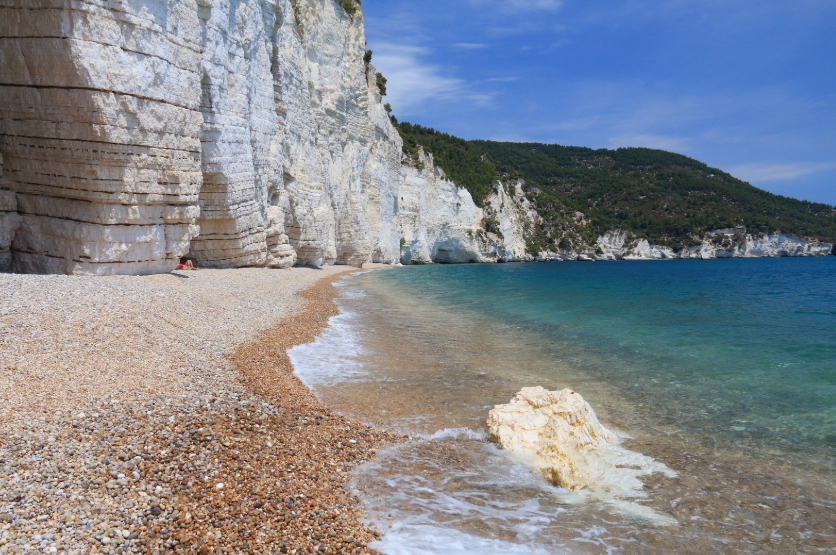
(440,223)
(243,132)
(722,243)
(559,434)
(556,428)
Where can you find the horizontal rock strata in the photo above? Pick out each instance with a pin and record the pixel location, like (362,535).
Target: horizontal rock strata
(246,133)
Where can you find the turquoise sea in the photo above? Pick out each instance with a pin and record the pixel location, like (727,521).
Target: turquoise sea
(723,371)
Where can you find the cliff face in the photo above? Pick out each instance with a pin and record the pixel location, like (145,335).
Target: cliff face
(101,133)
(440,222)
(723,243)
(243,132)
(9,222)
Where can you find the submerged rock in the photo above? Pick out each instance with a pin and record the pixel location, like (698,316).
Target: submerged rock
(556,427)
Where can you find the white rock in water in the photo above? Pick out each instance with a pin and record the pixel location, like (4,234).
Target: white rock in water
(560,433)
(555,427)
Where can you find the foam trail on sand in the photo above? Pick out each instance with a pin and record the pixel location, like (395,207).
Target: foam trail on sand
(439,506)
(457,433)
(334,356)
(451,491)
(431,540)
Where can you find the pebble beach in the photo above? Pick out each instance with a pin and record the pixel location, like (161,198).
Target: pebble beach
(160,414)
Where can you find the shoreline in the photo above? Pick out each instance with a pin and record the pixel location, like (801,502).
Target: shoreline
(267,371)
(731,490)
(181,452)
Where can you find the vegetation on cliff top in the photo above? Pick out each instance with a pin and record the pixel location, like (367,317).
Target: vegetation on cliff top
(667,198)
(464,162)
(580,193)
(350,6)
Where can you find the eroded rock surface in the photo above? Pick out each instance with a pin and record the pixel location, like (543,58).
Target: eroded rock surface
(559,433)
(721,243)
(244,132)
(556,427)
(440,222)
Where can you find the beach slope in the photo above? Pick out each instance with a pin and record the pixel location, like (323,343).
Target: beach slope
(145,414)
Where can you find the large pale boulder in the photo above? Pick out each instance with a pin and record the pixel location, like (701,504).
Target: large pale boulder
(556,427)
(558,432)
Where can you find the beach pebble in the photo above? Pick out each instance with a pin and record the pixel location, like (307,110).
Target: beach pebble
(136,405)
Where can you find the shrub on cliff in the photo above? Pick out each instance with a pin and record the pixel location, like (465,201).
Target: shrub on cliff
(491,225)
(349,6)
(367,57)
(381,83)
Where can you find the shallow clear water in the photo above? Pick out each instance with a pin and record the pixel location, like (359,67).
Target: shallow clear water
(725,371)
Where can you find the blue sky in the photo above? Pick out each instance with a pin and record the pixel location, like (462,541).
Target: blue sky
(746,86)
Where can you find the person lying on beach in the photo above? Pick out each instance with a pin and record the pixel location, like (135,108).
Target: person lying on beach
(188,266)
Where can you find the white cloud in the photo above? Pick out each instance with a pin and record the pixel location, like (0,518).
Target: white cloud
(661,142)
(470,45)
(521,5)
(777,172)
(414,81)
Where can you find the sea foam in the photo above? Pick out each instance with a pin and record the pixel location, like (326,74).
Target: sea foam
(335,356)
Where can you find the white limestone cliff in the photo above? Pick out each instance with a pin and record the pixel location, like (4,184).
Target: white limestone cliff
(440,222)
(738,243)
(722,243)
(619,245)
(243,132)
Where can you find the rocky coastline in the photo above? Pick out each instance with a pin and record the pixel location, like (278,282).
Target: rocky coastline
(238,134)
(164,426)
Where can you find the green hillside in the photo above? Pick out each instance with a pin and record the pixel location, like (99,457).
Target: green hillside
(666,198)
